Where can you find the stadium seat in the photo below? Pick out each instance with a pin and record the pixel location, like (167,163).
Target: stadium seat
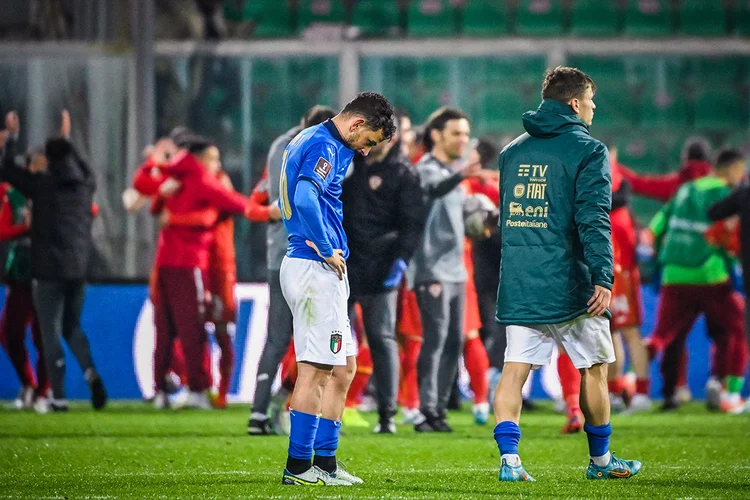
(485,18)
(704,70)
(319,11)
(376,17)
(501,111)
(273,18)
(740,16)
(539,17)
(702,18)
(663,109)
(527,70)
(595,18)
(720,107)
(648,18)
(431,18)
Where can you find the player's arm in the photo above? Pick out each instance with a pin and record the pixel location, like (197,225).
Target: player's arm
(731,205)
(261,209)
(411,218)
(593,199)
(660,221)
(658,187)
(435,185)
(197,218)
(18,176)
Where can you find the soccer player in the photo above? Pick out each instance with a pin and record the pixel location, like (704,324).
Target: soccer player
(696,279)
(557,265)
(279,334)
(315,284)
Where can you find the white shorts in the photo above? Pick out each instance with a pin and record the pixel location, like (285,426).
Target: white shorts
(318,301)
(586,339)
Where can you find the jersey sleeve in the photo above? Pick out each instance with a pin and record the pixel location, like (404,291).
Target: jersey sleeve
(318,165)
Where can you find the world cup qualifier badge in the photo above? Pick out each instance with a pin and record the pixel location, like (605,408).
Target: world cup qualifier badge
(322,168)
(336,341)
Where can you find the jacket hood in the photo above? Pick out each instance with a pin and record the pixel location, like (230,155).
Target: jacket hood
(695,169)
(551,119)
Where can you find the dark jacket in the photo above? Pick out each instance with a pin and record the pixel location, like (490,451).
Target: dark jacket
(555,199)
(737,203)
(61,213)
(383,218)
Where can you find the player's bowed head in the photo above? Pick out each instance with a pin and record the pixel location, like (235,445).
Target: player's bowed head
(366,121)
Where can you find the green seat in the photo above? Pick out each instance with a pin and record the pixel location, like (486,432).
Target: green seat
(600,67)
(501,111)
(664,109)
(539,17)
(513,70)
(741,18)
(702,18)
(485,18)
(431,18)
(376,17)
(726,70)
(595,18)
(272,18)
(319,11)
(720,107)
(648,18)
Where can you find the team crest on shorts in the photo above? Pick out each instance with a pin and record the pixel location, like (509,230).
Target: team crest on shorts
(375,182)
(336,341)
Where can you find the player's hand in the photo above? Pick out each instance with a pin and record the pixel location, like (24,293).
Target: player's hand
(336,261)
(12,123)
(132,200)
(599,302)
(274,212)
(65,124)
(164,218)
(169,187)
(472,170)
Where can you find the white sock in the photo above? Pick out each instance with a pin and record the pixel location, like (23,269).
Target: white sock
(512,460)
(602,461)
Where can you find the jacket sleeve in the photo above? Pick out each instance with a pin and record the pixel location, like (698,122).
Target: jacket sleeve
(16,175)
(658,225)
(198,218)
(148,178)
(593,199)
(411,215)
(659,187)
(731,205)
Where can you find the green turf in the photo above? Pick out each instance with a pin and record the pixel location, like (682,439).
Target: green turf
(132,451)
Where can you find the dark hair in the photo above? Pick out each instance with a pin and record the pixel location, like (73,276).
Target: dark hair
(376,110)
(179,135)
(437,121)
(317,115)
(197,145)
(727,156)
(563,84)
(696,148)
(488,153)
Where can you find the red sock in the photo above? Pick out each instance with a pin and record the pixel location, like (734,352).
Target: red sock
(13,339)
(570,380)
(178,365)
(226,363)
(361,378)
(643,386)
(615,386)
(409,382)
(477,364)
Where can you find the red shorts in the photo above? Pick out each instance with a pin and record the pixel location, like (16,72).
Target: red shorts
(223,301)
(626,298)
(409,322)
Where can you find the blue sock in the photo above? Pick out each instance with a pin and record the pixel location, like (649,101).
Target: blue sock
(598,438)
(302,434)
(326,444)
(507,436)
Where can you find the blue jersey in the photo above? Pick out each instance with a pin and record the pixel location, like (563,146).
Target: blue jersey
(318,154)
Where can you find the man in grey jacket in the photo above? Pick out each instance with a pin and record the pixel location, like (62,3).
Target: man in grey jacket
(279,316)
(438,271)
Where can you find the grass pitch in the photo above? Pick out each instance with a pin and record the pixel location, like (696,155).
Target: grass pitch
(131,451)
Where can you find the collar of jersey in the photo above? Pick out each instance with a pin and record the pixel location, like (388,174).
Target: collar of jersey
(331,127)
